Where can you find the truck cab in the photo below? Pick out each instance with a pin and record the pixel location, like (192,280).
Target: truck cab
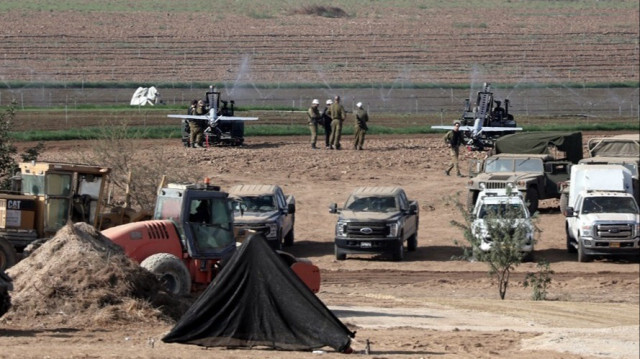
(602,217)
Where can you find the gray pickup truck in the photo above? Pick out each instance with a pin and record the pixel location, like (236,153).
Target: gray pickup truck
(264,209)
(376,220)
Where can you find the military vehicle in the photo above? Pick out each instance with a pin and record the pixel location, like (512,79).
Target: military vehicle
(485,122)
(376,220)
(536,164)
(220,125)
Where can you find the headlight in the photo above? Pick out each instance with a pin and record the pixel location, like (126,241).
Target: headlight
(587,230)
(482,186)
(394,229)
(341,229)
(273,230)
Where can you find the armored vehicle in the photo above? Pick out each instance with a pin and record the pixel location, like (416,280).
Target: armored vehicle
(525,163)
(376,220)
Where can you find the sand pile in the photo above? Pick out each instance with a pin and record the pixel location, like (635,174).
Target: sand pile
(80,278)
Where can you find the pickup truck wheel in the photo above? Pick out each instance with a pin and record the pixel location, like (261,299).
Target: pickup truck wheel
(288,239)
(398,253)
(564,203)
(582,257)
(171,271)
(412,242)
(532,198)
(8,256)
(570,247)
(339,254)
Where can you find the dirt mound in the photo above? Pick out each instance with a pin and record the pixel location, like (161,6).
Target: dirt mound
(79,278)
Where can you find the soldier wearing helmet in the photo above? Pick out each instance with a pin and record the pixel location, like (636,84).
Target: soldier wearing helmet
(338,115)
(314,117)
(360,127)
(326,122)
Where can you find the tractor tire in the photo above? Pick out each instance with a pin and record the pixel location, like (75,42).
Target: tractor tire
(171,271)
(412,243)
(532,197)
(339,254)
(8,255)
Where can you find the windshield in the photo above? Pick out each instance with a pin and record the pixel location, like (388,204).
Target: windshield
(498,165)
(609,205)
(515,210)
(372,204)
(257,204)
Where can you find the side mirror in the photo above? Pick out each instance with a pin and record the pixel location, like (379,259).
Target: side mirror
(333,208)
(291,208)
(413,208)
(569,212)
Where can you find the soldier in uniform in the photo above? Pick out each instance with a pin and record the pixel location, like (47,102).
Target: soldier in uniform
(338,115)
(314,118)
(196,129)
(453,139)
(326,122)
(360,127)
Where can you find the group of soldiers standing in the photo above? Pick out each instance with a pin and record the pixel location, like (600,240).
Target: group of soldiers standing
(332,119)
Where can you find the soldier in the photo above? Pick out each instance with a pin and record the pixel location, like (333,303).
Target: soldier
(195,127)
(498,113)
(326,122)
(360,127)
(338,116)
(314,118)
(453,138)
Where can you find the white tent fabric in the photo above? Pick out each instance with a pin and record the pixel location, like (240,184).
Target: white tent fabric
(145,96)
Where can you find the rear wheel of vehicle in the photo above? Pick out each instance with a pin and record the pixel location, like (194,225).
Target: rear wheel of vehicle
(412,242)
(532,198)
(171,271)
(582,257)
(398,253)
(472,197)
(8,255)
(528,257)
(339,254)
(570,247)
(564,203)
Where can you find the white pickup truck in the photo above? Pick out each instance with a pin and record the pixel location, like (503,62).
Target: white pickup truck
(602,217)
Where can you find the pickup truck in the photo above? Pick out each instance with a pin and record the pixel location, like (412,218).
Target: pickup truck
(602,217)
(264,209)
(376,220)
(500,205)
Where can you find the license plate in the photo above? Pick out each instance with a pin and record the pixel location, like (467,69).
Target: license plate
(365,244)
(614,244)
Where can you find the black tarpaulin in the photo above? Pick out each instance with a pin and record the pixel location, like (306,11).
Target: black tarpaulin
(539,142)
(257,300)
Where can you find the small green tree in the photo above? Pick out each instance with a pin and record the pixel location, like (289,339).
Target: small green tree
(539,281)
(508,234)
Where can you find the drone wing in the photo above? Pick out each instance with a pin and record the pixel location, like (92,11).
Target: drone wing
(484,129)
(462,128)
(191,117)
(227,118)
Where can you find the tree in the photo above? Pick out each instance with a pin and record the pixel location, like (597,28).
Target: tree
(508,234)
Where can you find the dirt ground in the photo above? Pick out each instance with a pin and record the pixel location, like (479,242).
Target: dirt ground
(429,305)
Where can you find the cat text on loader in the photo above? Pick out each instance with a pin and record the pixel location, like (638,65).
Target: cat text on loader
(43,198)
(190,237)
